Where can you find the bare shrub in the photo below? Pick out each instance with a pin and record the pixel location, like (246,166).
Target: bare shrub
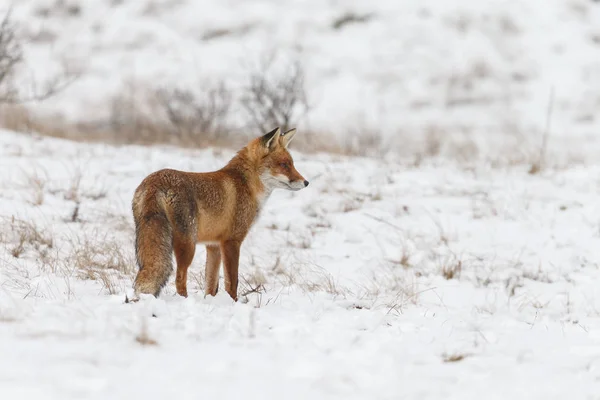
(132,118)
(12,61)
(196,118)
(275,98)
(192,118)
(11,56)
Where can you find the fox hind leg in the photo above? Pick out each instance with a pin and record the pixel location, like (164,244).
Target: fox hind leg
(184,248)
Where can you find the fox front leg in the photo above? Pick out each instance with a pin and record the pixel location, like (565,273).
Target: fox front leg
(231,258)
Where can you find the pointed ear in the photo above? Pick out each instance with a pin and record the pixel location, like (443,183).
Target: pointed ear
(287,137)
(271,139)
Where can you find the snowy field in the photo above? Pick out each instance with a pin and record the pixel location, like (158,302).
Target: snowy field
(440,270)
(474,72)
(380,280)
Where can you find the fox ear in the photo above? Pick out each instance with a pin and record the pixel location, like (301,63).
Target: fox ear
(286,137)
(270,140)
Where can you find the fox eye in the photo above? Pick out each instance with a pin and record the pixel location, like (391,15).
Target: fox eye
(284,165)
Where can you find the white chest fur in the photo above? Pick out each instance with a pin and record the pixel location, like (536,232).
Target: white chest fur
(262,198)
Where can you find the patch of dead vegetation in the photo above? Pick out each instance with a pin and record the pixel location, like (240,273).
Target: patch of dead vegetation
(101,259)
(23,236)
(96,257)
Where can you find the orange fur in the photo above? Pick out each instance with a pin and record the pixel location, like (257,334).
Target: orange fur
(175,210)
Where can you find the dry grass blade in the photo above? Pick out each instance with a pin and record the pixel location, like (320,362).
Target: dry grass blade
(253,283)
(537,166)
(37,182)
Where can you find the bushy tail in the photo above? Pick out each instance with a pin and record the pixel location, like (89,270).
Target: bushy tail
(153,243)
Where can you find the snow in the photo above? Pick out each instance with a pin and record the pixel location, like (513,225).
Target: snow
(461,68)
(419,277)
(340,316)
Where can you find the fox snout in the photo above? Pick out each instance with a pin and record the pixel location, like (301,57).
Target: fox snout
(297,185)
(296,181)
(288,179)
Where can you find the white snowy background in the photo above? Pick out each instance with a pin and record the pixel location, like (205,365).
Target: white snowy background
(455,274)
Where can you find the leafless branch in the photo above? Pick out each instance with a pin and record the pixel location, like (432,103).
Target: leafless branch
(11,59)
(193,116)
(277,100)
(11,56)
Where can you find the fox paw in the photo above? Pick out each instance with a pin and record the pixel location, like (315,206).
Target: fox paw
(131,300)
(131,297)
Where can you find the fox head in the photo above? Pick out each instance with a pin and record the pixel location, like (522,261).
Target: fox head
(277,166)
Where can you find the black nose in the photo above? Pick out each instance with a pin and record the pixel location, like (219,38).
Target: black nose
(305,183)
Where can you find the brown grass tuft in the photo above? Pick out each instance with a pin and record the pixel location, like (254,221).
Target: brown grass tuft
(28,235)
(456,357)
(452,269)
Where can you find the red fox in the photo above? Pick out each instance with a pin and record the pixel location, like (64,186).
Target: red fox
(175,210)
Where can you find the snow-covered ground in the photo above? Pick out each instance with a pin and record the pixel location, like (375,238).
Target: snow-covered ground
(438,275)
(380,281)
(479,71)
